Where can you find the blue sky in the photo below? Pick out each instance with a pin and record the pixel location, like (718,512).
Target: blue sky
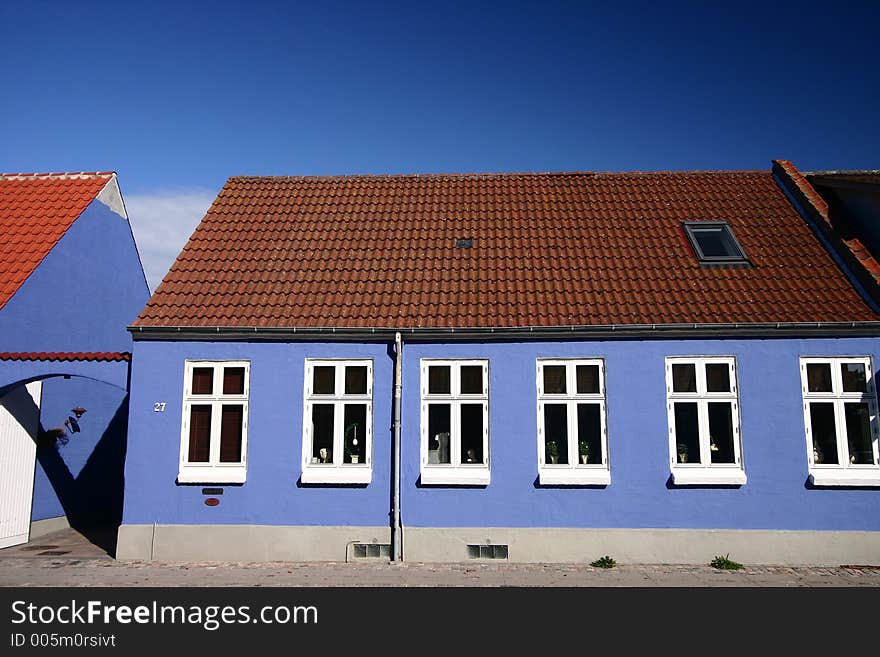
(176,97)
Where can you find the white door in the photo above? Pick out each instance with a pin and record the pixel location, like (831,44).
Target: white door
(19,423)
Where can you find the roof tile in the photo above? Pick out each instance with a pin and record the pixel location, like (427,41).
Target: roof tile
(35,212)
(66,355)
(549,250)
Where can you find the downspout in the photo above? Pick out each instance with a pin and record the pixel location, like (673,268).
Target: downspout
(396,554)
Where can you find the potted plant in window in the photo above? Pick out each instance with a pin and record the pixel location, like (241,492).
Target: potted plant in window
(552,451)
(350,442)
(682,453)
(584,450)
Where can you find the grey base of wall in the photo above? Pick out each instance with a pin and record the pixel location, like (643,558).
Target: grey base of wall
(536,545)
(243,542)
(47,526)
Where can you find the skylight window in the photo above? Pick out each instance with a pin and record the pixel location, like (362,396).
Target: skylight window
(464,243)
(714,243)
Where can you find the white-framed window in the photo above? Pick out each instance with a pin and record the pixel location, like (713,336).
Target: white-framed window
(572,430)
(840,416)
(337,446)
(703,410)
(213,439)
(455,422)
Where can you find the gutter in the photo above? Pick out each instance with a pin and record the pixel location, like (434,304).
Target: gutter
(396,552)
(582,332)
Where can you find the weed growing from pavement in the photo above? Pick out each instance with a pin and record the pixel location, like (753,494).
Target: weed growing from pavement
(725,563)
(604,562)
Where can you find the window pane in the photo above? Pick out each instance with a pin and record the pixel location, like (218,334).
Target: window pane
(199,433)
(716,242)
(589,433)
(684,377)
(717,377)
(438,433)
(823,430)
(322,433)
(554,379)
(472,433)
(231,432)
(233,380)
(438,380)
(324,380)
(588,379)
(355,439)
(819,377)
(555,433)
(858,433)
(472,379)
(687,433)
(721,432)
(853,375)
(356,380)
(203,380)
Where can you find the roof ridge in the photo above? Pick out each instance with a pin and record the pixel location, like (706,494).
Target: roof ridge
(502,174)
(62,175)
(841,172)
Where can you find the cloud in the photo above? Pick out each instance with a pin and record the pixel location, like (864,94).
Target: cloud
(162,222)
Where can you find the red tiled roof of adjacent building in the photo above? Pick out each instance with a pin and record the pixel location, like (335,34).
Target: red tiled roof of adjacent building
(549,249)
(103,356)
(36,209)
(851,248)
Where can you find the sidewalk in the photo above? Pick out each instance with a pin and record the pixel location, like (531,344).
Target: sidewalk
(66,559)
(19,571)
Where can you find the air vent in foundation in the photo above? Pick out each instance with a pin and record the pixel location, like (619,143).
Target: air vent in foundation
(487,551)
(371,551)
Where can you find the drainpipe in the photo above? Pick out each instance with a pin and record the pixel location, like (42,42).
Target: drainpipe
(395,468)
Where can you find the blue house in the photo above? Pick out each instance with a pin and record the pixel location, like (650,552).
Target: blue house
(543,367)
(70,282)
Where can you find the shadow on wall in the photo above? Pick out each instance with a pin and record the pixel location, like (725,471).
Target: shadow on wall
(92,500)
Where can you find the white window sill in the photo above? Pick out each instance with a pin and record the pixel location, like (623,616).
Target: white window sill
(464,476)
(845,477)
(574,476)
(213,474)
(708,476)
(331,474)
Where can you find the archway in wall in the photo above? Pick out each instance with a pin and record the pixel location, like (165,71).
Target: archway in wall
(62,448)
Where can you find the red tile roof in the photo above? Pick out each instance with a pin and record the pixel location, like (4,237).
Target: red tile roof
(848,245)
(36,209)
(66,355)
(550,249)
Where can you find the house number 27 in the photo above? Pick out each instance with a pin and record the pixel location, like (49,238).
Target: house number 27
(158,407)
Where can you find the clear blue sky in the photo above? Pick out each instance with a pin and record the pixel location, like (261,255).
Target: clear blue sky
(177,95)
(187,94)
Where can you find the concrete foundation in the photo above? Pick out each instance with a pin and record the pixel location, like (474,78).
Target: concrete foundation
(243,542)
(526,545)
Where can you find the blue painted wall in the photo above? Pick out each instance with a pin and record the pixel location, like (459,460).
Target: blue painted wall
(85,292)
(16,372)
(81,479)
(774,444)
(272,494)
